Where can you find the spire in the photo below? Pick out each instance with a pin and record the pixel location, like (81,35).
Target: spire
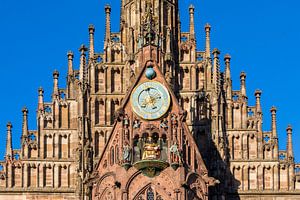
(55,83)
(227,59)
(289,147)
(9,150)
(92,46)
(243,84)
(216,68)
(207,45)
(25,122)
(41,99)
(82,70)
(192,22)
(70,62)
(107,24)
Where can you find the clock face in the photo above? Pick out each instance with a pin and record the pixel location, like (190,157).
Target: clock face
(150,100)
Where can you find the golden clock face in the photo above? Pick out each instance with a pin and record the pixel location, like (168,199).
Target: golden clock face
(150,100)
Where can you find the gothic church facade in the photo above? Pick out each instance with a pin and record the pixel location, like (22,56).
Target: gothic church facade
(150,117)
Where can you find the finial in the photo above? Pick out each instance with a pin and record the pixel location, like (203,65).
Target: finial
(91,28)
(41,91)
(258,93)
(24,110)
(192,8)
(243,75)
(9,126)
(227,58)
(55,74)
(289,129)
(216,52)
(107,8)
(207,27)
(83,49)
(70,55)
(273,110)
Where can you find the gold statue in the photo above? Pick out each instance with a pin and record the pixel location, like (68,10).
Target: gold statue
(151,150)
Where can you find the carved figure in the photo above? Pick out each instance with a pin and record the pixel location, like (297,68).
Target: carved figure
(126,153)
(136,124)
(151,150)
(176,156)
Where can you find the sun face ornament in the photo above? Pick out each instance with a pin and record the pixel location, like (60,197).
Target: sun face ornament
(150,100)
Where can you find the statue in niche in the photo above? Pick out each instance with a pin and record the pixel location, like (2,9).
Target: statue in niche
(136,124)
(126,121)
(78,157)
(151,150)
(126,153)
(176,156)
(140,41)
(136,150)
(89,156)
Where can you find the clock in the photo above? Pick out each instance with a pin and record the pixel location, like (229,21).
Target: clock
(150,100)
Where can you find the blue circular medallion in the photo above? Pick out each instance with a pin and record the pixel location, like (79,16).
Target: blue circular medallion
(150,73)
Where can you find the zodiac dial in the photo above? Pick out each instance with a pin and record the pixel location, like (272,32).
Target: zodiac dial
(150,100)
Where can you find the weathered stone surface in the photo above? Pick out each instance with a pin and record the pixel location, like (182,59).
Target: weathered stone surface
(91,144)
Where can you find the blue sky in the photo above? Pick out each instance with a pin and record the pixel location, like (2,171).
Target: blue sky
(262,37)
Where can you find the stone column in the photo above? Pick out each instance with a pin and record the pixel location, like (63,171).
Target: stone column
(25,175)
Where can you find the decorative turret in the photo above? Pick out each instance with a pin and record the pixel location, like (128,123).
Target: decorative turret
(228,81)
(274,125)
(70,79)
(243,84)
(92,46)
(216,69)
(258,104)
(55,84)
(25,122)
(41,99)
(70,62)
(107,25)
(82,68)
(192,22)
(9,149)
(289,146)
(274,131)
(207,39)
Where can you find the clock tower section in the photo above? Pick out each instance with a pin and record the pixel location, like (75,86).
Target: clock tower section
(151,153)
(141,124)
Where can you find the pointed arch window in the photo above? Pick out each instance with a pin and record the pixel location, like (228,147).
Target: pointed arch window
(150,194)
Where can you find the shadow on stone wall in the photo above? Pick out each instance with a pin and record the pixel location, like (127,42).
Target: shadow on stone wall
(214,148)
